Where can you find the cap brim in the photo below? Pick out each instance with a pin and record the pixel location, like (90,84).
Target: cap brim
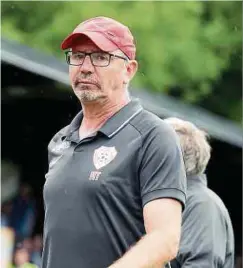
(97,38)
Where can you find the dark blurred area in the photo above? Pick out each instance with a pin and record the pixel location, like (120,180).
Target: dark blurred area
(19,215)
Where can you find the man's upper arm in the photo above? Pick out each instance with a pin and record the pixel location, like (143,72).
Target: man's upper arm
(163,185)
(203,239)
(162,173)
(163,214)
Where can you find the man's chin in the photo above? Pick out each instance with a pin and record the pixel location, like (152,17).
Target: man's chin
(87,97)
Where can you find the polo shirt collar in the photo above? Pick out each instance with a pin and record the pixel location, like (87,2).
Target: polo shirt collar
(194,180)
(112,126)
(121,118)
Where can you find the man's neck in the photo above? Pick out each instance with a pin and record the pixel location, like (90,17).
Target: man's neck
(96,114)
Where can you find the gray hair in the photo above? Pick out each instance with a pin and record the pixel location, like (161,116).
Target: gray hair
(194,145)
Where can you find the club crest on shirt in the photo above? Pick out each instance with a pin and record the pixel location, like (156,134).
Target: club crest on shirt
(103,156)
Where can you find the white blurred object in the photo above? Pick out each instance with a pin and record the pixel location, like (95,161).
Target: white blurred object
(9,180)
(7,245)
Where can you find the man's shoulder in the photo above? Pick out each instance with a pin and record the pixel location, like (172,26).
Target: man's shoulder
(148,123)
(58,135)
(218,202)
(205,201)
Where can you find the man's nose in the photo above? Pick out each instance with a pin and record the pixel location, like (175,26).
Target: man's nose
(87,66)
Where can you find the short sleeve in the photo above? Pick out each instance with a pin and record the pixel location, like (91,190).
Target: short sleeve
(162,173)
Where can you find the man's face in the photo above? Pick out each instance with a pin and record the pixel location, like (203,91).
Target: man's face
(21,257)
(92,83)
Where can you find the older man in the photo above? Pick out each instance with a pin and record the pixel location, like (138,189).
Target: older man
(207,234)
(114,192)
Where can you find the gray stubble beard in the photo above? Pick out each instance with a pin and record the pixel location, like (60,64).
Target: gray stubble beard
(88,95)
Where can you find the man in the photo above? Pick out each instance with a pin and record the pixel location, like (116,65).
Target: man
(23,213)
(22,259)
(113,193)
(207,234)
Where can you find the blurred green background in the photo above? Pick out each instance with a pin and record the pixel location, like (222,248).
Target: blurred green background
(189,50)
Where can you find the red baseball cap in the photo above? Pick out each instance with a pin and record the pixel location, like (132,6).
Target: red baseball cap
(106,33)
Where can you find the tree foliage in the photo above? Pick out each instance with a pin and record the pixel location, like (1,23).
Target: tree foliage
(184,48)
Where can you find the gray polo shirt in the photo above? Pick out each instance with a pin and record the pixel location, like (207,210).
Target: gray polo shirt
(96,188)
(207,235)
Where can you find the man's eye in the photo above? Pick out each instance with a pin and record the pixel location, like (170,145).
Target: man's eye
(101,57)
(77,56)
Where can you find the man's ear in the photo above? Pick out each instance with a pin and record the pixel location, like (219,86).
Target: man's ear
(131,69)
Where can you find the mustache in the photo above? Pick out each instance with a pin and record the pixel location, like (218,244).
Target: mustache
(88,80)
